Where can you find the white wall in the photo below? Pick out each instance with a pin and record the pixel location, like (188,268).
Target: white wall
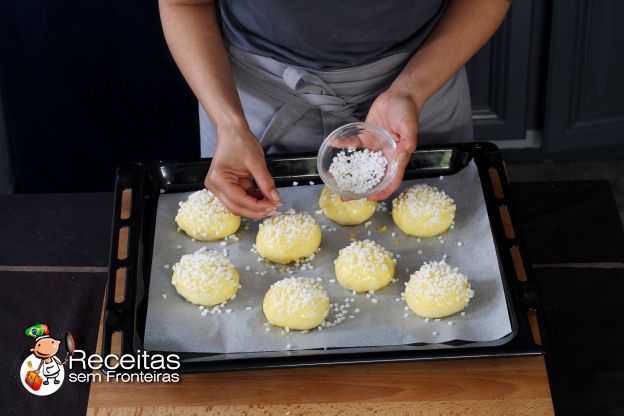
(6,172)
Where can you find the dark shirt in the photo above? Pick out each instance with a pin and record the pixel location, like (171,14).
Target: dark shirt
(328,34)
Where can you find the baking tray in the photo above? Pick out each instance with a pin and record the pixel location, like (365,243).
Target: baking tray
(139,185)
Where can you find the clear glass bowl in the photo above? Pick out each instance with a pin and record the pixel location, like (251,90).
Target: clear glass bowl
(358,135)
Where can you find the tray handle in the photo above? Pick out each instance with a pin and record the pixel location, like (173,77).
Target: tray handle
(528,300)
(122,274)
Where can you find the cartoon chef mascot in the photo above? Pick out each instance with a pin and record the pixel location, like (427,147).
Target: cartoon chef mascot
(45,349)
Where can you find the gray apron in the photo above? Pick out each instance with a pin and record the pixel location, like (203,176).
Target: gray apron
(292,109)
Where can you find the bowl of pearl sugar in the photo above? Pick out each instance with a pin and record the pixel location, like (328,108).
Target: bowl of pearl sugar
(357,160)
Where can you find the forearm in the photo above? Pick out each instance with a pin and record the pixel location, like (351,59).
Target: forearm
(463,29)
(193,36)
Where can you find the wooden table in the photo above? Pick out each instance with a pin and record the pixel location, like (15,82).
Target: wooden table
(503,386)
(511,386)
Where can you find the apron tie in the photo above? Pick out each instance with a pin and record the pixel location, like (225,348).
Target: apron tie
(301,90)
(316,92)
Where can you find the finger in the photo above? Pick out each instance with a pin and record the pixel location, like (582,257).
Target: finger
(402,160)
(344,142)
(371,141)
(406,143)
(363,139)
(408,133)
(245,183)
(265,181)
(256,214)
(241,199)
(388,190)
(406,147)
(254,192)
(248,186)
(237,210)
(237,200)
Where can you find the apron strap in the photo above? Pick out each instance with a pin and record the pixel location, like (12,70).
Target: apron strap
(302,90)
(286,116)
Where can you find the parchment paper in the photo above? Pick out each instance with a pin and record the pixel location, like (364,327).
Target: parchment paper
(176,325)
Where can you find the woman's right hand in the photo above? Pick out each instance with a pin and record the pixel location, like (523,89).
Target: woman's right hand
(237,163)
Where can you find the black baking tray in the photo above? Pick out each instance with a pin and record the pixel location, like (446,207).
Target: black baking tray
(139,185)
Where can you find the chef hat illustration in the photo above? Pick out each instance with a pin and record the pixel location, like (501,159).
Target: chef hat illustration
(38,331)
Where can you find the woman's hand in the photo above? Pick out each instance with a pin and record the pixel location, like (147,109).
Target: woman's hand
(238,161)
(396,111)
(194,37)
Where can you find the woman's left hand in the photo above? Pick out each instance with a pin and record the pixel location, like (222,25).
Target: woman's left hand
(396,111)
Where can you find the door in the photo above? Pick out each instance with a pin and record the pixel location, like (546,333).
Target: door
(585,85)
(500,74)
